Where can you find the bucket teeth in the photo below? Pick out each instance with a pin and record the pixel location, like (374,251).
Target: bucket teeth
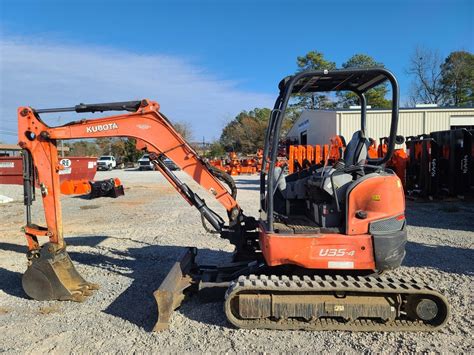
(52,276)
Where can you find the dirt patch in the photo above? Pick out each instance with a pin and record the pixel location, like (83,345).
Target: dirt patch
(89,207)
(49,309)
(4,310)
(130,203)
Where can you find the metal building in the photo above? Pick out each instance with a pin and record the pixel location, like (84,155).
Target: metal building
(317,126)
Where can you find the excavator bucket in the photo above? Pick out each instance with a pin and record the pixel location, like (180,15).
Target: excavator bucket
(52,276)
(171,292)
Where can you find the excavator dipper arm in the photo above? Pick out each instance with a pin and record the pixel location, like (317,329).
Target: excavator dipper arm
(51,274)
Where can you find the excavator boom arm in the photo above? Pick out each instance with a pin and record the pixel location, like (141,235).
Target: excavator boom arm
(145,123)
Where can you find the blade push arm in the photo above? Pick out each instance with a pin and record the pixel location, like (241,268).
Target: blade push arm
(146,124)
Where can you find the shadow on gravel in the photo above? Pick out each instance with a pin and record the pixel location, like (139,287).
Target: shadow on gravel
(441,214)
(147,266)
(14,247)
(441,257)
(11,283)
(90,241)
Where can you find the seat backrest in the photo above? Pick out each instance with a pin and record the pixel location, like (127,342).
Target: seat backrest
(356,149)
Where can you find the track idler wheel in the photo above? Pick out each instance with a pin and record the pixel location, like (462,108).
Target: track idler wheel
(51,275)
(426,308)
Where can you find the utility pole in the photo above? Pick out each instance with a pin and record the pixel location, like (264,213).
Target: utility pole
(62,143)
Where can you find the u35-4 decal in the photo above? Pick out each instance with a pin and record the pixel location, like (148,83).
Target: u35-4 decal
(336,252)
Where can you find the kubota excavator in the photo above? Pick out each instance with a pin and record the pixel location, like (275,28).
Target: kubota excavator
(311,261)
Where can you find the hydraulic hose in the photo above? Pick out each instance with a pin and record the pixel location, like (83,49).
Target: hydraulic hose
(226,178)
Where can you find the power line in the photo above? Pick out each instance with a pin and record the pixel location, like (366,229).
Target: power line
(8,133)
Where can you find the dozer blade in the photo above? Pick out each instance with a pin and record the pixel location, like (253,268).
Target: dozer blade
(52,276)
(171,292)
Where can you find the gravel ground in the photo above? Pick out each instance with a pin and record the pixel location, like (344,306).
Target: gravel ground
(127,245)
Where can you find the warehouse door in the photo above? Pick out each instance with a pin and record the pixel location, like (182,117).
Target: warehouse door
(304,138)
(458,122)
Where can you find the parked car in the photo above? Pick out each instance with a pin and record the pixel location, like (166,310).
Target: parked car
(145,164)
(170,164)
(106,162)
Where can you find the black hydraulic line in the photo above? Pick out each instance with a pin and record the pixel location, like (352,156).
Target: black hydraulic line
(28,184)
(363,113)
(226,178)
(131,106)
(213,218)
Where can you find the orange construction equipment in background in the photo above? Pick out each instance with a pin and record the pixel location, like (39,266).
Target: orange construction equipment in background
(234,166)
(372,150)
(75,187)
(398,162)
(259,160)
(336,148)
(383,147)
(325,152)
(303,156)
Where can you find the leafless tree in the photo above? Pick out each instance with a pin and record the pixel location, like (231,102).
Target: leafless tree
(425,67)
(184,128)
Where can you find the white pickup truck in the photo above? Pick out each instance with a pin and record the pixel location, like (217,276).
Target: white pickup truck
(106,162)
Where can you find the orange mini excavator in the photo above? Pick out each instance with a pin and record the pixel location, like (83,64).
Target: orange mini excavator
(312,260)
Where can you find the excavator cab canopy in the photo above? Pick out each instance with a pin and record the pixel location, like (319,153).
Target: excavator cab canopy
(358,81)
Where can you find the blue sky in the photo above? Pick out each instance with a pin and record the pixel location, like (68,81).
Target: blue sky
(204,61)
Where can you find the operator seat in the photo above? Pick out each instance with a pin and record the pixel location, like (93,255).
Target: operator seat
(356,153)
(356,150)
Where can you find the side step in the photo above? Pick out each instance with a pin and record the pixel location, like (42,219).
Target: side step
(334,303)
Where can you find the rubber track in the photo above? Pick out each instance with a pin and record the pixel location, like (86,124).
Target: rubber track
(253,284)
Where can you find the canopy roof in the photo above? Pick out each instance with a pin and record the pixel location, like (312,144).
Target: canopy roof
(357,80)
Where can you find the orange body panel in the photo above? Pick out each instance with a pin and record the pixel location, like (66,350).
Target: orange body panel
(75,187)
(318,251)
(379,196)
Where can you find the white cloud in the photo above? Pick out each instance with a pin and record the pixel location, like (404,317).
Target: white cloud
(57,75)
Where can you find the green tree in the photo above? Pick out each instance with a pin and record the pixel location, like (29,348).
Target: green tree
(216,150)
(457,79)
(246,133)
(82,148)
(313,60)
(131,153)
(376,96)
(120,148)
